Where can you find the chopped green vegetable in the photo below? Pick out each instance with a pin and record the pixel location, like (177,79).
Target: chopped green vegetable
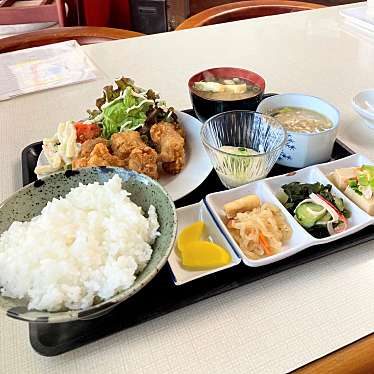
(346,213)
(353,183)
(369,169)
(338,202)
(371,183)
(363,180)
(285,110)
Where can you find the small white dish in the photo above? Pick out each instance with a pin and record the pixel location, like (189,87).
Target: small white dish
(186,216)
(304,149)
(363,104)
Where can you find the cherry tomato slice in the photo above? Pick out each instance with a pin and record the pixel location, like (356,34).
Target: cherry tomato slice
(86,131)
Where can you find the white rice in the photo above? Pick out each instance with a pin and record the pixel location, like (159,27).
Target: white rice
(91,243)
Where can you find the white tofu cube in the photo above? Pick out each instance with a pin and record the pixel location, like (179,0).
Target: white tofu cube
(365,204)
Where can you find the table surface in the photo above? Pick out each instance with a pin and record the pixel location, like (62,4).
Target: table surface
(274,325)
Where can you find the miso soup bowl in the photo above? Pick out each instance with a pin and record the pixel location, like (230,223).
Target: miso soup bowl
(304,149)
(206,108)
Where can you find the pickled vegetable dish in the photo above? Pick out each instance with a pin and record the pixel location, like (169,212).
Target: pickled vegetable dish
(316,208)
(198,254)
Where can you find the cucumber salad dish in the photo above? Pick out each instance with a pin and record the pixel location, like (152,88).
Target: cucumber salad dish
(316,208)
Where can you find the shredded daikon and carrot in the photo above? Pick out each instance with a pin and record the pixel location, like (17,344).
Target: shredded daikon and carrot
(260,230)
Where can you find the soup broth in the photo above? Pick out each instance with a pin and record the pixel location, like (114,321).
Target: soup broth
(226,89)
(301,120)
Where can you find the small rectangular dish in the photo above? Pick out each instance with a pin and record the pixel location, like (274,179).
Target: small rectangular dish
(187,216)
(269,191)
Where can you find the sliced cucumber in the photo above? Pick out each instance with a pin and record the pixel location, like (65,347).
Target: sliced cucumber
(339,203)
(324,219)
(307,214)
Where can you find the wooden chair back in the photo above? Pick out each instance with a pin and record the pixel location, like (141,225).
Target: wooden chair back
(82,34)
(19,12)
(244,10)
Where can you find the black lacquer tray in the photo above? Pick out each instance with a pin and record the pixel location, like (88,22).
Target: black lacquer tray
(54,339)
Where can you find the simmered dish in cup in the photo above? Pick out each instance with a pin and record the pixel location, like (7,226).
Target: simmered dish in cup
(301,119)
(259,229)
(311,124)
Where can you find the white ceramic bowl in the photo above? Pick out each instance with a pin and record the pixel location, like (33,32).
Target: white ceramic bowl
(363,104)
(303,149)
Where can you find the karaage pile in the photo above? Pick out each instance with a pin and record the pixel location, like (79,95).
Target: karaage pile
(127,149)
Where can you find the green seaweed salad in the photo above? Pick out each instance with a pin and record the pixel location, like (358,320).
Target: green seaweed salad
(128,107)
(316,208)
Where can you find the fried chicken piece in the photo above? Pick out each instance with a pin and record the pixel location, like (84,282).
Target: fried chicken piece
(129,145)
(123,143)
(179,128)
(174,167)
(144,160)
(100,156)
(89,145)
(79,163)
(170,144)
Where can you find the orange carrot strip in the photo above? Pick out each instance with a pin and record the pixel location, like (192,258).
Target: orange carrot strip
(265,244)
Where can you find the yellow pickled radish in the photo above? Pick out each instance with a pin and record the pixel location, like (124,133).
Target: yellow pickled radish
(201,254)
(197,254)
(190,234)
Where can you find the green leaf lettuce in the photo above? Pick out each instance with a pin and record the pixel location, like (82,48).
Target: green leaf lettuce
(127,112)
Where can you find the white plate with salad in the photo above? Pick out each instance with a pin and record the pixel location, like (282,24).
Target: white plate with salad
(131,128)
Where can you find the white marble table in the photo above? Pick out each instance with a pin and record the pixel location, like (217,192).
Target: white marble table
(273,325)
